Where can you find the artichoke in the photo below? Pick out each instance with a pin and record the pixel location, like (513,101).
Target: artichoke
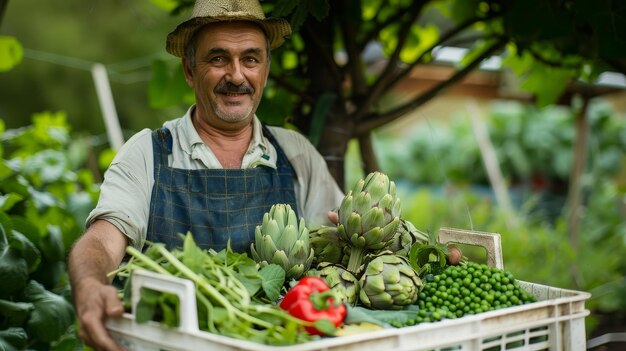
(369,216)
(338,279)
(405,237)
(282,240)
(327,246)
(389,283)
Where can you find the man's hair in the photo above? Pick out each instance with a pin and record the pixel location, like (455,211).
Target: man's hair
(192,44)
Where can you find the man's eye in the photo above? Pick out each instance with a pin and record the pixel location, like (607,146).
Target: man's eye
(217,59)
(250,60)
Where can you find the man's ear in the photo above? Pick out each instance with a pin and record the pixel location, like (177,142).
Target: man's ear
(188,72)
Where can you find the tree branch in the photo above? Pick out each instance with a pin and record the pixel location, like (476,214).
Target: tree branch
(387,74)
(371,35)
(291,88)
(328,59)
(444,39)
(375,120)
(387,79)
(349,30)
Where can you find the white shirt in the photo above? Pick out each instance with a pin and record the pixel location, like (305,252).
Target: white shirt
(127,187)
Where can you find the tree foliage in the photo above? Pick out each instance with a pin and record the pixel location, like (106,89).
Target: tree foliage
(323,83)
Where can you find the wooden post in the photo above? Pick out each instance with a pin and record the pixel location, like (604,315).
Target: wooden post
(574,196)
(491,163)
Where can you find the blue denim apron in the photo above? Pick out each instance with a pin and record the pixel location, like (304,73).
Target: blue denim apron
(215,205)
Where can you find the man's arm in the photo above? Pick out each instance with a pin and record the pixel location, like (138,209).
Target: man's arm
(98,252)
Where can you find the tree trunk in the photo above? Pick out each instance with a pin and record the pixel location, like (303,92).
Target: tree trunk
(3,7)
(370,161)
(325,77)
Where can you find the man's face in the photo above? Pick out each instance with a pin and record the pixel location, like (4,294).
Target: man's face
(230,71)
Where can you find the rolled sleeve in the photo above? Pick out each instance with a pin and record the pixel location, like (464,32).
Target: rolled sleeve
(126,190)
(317,191)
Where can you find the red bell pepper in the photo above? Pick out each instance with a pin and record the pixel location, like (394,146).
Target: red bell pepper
(310,300)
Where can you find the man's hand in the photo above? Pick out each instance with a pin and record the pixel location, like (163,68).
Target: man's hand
(99,251)
(95,302)
(333,217)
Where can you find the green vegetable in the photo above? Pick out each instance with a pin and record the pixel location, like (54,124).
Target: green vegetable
(389,283)
(405,237)
(369,216)
(13,339)
(340,280)
(16,313)
(328,247)
(13,268)
(468,288)
(283,240)
(227,305)
(52,314)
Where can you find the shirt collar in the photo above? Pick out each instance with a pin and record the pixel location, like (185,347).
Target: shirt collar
(190,139)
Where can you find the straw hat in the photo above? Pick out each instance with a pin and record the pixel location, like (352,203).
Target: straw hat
(209,11)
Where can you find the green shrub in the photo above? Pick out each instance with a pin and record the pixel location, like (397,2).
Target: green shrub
(45,196)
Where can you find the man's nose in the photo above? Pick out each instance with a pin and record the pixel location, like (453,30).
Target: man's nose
(234,74)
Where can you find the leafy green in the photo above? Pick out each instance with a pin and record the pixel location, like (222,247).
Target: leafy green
(158,306)
(52,314)
(11,52)
(359,314)
(13,271)
(273,278)
(227,305)
(13,339)
(16,312)
(27,250)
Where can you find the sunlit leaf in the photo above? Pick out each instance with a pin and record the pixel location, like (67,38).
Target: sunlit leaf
(420,39)
(8,200)
(168,86)
(289,60)
(11,52)
(167,5)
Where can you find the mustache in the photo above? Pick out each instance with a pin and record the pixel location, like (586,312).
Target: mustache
(230,88)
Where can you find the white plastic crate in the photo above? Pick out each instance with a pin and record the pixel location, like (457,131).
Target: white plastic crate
(555,322)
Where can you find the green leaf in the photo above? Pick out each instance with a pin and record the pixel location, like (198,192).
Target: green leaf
(319,115)
(13,272)
(8,200)
(68,342)
(144,311)
(289,59)
(15,312)
(193,256)
(325,326)
(170,309)
(547,83)
(283,8)
(360,314)
(13,339)
(52,315)
(462,10)
(27,249)
(420,39)
(11,52)
(273,277)
(168,86)
(167,5)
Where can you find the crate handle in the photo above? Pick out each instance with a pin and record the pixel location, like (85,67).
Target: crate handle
(490,241)
(183,288)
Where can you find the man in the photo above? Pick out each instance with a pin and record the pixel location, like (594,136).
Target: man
(213,172)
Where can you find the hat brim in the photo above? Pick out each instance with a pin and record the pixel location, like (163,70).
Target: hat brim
(276,30)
